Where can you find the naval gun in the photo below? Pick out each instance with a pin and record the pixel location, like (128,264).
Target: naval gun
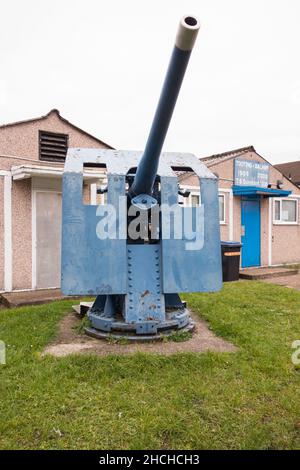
(142,248)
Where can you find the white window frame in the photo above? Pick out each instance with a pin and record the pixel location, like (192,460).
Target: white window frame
(281,222)
(187,202)
(194,193)
(223,222)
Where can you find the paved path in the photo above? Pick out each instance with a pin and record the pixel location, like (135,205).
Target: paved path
(42,296)
(268,272)
(287,281)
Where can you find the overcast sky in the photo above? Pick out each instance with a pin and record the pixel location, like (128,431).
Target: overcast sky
(102,63)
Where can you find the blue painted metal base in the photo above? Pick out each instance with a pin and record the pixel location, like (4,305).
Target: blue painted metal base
(145,311)
(107,319)
(107,322)
(104,328)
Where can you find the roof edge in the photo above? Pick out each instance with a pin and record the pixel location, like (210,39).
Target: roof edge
(55,111)
(25,121)
(229,153)
(287,163)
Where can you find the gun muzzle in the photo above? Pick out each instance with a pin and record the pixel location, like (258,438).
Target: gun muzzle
(148,165)
(187,33)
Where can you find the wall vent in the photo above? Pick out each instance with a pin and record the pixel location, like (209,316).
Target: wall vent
(53,146)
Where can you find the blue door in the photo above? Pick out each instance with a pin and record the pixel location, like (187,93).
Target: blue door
(250,232)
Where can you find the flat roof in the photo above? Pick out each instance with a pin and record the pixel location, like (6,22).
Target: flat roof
(258,191)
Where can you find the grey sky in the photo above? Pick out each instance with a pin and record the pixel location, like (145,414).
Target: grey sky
(102,63)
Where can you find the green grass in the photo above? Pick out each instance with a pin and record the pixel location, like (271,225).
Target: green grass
(179,336)
(243,400)
(84,323)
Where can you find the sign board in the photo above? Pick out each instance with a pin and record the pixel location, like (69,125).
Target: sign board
(251,173)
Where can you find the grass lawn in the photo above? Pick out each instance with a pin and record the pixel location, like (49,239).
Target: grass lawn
(249,399)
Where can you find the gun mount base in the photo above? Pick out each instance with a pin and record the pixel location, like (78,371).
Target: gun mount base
(133,332)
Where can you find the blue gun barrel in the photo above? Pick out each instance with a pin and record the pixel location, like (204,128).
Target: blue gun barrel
(147,168)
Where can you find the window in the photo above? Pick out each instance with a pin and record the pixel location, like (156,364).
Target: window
(194,200)
(222,208)
(285,211)
(53,147)
(277,210)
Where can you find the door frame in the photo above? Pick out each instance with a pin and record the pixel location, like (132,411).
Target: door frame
(256,199)
(34,238)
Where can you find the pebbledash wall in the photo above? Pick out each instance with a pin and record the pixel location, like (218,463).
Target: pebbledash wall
(279,234)
(22,176)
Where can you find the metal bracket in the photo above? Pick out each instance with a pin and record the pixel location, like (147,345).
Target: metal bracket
(144,328)
(144,201)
